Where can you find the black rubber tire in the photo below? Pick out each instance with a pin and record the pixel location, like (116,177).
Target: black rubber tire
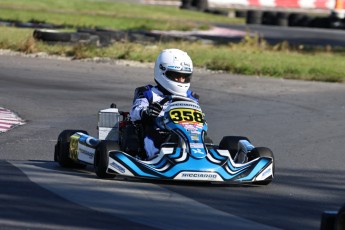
(61,154)
(295,19)
(52,35)
(231,143)
(105,38)
(240,13)
(200,5)
(269,18)
(340,220)
(75,37)
(25,25)
(282,19)
(114,35)
(328,219)
(320,22)
(186,4)
(254,17)
(336,23)
(261,152)
(102,158)
(306,21)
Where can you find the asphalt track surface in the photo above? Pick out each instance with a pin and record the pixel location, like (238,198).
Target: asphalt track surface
(302,122)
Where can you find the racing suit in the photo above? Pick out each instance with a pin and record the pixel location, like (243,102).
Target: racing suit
(143,97)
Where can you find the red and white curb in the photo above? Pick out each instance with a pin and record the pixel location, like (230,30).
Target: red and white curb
(9,120)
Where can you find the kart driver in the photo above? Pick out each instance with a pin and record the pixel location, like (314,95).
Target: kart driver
(172,72)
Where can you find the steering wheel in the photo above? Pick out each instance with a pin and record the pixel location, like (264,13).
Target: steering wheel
(174,98)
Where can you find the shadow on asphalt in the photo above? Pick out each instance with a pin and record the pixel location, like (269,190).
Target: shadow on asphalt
(26,205)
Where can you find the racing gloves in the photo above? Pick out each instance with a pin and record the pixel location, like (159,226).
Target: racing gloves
(152,112)
(154,109)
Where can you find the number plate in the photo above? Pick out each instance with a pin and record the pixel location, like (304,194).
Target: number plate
(186,115)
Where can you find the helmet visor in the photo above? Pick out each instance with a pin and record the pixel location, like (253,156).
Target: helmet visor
(178,77)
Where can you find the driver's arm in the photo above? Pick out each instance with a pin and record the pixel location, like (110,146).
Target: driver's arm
(142,109)
(138,106)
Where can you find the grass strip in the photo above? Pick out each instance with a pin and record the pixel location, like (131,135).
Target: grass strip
(252,56)
(105,14)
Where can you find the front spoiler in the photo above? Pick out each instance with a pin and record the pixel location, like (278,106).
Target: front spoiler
(176,164)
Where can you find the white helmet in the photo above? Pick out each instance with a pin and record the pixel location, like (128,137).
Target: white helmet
(171,64)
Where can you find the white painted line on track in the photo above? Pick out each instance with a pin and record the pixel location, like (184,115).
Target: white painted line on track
(144,203)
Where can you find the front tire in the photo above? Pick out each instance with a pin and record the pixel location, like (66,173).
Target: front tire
(262,152)
(61,154)
(231,143)
(102,158)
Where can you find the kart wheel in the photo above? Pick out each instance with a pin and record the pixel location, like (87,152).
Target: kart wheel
(340,221)
(61,154)
(261,152)
(231,143)
(328,220)
(102,158)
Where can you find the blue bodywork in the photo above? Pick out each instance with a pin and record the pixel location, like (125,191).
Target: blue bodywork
(190,158)
(189,168)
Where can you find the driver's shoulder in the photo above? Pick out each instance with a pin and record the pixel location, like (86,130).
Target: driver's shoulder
(143,92)
(193,95)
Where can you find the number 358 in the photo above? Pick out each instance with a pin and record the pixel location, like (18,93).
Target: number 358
(186,115)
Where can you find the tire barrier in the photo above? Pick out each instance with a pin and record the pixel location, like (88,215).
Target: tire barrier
(254,17)
(109,36)
(199,5)
(295,19)
(240,13)
(269,18)
(104,37)
(70,37)
(202,6)
(31,24)
(282,19)
(52,36)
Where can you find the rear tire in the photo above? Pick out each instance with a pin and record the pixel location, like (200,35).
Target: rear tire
(61,154)
(231,143)
(102,158)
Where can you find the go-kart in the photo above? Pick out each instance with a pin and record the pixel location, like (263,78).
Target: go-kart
(187,155)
